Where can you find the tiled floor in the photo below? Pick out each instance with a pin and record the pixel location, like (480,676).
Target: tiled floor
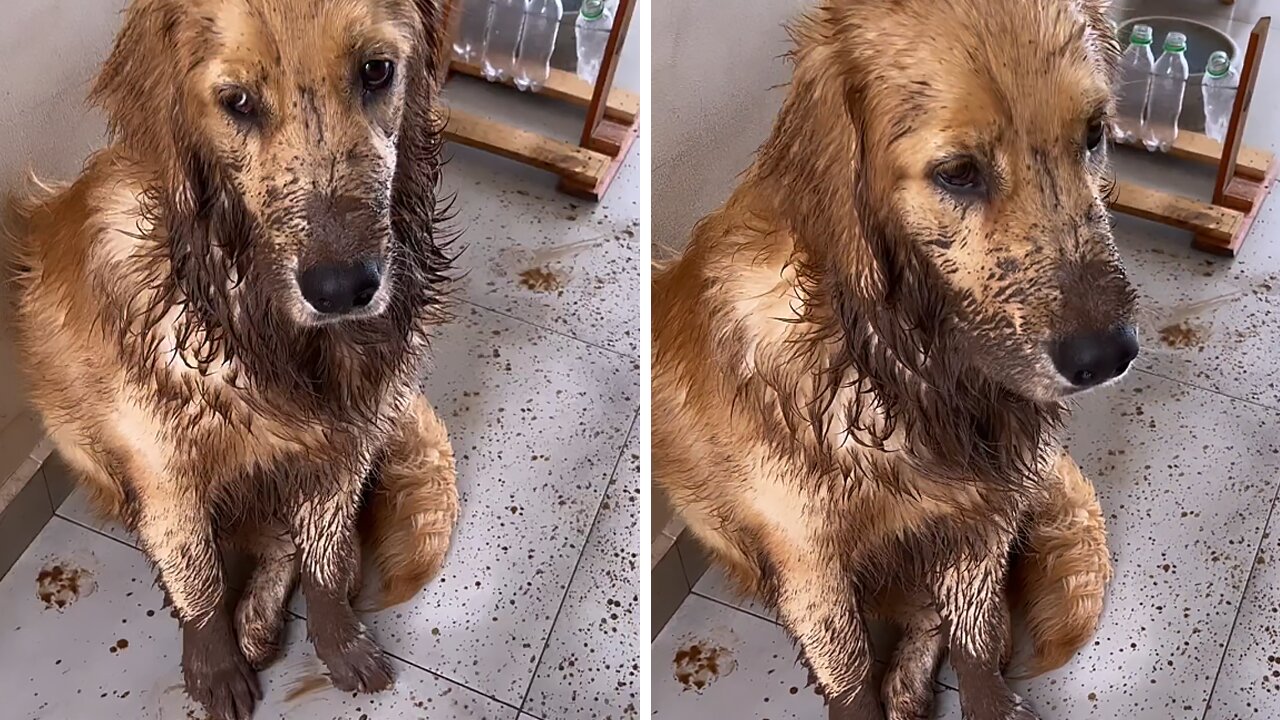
(1186,457)
(536,614)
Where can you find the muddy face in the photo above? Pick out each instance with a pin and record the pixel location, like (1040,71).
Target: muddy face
(989,148)
(300,105)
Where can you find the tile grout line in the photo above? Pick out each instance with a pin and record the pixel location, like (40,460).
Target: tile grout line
(622,451)
(303,618)
(95,531)
(1244,594)
(561,333)
(731,606)
(1210,390)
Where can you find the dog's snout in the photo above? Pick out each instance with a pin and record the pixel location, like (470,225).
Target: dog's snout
(1093,358)
(337,289)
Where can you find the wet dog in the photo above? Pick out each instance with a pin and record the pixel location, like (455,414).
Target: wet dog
(861,359)
(223,320)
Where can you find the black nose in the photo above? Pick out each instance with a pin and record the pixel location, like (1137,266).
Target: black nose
(1090,359)
(338,289)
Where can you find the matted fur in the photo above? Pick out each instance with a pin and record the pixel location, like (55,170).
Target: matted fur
(170,352)
(853,404)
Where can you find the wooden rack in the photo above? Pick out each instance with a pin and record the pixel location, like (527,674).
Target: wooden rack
(1245,175)
(612,122)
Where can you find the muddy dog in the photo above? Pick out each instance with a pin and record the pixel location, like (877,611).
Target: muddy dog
(861,359)
(223,319)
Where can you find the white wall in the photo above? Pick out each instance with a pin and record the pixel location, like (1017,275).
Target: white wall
(50,50)
(714,64)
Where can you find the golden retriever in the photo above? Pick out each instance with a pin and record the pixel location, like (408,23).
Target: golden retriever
(224,318)
(861,359)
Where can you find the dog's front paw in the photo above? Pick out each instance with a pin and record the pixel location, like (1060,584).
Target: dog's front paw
(356,663)
(218,677)
(861,705)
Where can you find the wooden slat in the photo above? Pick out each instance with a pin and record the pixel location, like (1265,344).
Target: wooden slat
(597,191)
(1252,163)
(1212,221)
(623,106)
(1240,110)
(604,77)
(576,164)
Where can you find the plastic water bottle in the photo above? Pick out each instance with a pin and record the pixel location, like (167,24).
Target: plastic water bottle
(541,26)
(473,27)
(1219,88)
(506,19)
(1164,101)
(1136,67)
(595,19)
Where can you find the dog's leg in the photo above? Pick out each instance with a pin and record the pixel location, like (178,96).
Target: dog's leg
(818,607)
(908,686)
(969,594)
(324,529)
(177,534)
(261,612)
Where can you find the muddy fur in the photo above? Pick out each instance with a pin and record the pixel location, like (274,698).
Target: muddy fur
(854,406)
(170,350)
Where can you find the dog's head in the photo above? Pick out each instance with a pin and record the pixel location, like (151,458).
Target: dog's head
(979,153)
(294,141)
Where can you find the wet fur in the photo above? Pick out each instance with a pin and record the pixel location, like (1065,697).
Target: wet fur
(169,354)
(853,408)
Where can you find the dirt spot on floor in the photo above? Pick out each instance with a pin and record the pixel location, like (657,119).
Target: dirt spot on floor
(1183,335)
(700,663)
(542,279)
(60,584)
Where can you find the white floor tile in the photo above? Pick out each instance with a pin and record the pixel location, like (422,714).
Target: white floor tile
(715,661)
(1208,321)
(537,422)
(76,507)
(112,652)
(590,668)
(1249,682)
(548,258)
(1186,479)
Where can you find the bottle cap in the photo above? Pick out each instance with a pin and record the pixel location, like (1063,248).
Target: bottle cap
(1219,64)
(592,9)
(1175,42)
(1141,35)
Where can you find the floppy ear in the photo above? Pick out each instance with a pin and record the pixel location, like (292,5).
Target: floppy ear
(139,86)
(1102,33)
(419,141)
(142,87)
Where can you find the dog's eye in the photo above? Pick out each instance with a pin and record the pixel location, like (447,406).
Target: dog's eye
(238,103)
(960,175)
(1095,134)
(376,74)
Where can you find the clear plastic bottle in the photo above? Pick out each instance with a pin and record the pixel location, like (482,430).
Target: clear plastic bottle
(473,28)
(1136,67)
(595,19)
(506,20)
(541,26)
(1164,101)
(1219,88)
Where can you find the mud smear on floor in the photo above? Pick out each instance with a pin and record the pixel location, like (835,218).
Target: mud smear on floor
(1181,327)
(1183,335)
(702,662)
(542,279)
(306,685)
(60,583)
(545,269)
